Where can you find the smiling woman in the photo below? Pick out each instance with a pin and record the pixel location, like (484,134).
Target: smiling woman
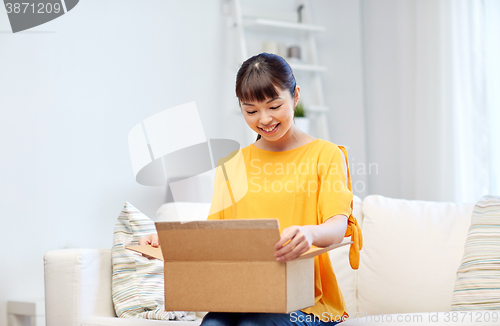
(313,208)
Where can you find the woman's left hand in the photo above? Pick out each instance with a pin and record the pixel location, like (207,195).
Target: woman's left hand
(301,239)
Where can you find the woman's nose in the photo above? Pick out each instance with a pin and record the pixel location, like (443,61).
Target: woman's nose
(265,119)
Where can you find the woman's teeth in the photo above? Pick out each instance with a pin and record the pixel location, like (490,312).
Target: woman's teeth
(270,129)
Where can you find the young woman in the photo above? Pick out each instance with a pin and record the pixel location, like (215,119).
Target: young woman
(293,177)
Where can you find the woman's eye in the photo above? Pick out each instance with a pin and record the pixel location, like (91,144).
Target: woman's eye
(276,107)
(251,112)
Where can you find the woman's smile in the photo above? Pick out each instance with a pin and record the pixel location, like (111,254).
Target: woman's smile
(270,130)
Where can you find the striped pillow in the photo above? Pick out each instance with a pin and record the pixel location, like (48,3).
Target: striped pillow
(477,286)
(137,282)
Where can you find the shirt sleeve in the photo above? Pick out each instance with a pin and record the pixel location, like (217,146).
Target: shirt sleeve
(334,196)
(353,230)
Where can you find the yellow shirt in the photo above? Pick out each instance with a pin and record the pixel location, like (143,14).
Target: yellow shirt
(303,186)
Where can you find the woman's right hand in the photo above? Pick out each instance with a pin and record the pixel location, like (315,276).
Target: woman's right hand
(152,240)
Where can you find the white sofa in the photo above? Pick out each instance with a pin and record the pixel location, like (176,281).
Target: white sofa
(410,256)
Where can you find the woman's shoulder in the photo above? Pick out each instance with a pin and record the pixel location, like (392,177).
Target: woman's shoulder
(327,145)
(326,151)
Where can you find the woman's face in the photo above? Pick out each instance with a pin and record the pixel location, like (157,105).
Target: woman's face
(273,117)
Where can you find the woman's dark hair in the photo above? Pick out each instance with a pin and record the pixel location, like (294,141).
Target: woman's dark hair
(259,76)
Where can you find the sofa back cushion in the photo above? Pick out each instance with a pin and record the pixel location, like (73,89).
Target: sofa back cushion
(411,252)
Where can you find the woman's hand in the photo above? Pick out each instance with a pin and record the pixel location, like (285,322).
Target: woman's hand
(152,240)
(299,238)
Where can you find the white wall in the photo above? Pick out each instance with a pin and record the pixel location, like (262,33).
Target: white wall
(71,89)
(340,50)
(424,82)
(384,141)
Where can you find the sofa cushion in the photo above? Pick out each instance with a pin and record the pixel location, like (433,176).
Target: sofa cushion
(411,252)
(478,278)
(137,282)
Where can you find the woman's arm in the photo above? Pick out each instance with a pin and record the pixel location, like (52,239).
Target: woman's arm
(301,238)
(330,232)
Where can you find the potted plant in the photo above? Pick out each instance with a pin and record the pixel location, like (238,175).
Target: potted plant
(301,121)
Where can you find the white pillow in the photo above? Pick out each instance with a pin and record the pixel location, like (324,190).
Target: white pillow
(137,282)
(411,252)
(477,286)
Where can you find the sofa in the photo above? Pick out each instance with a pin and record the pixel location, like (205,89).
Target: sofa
(408,266)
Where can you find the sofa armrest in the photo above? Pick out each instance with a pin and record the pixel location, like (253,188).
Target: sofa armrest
(77,286)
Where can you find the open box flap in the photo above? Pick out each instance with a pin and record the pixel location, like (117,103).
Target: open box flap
(219,240)
(312,252)
(151,251)
(156,252)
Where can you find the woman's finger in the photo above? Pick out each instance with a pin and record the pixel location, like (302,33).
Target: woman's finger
(154,240)
(286,235)
(151,239)
(297,240)
(294,253)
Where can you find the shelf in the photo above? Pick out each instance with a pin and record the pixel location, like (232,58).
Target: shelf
(306,67)
(282,24)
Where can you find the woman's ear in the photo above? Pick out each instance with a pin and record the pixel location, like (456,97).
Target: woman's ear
(297,95)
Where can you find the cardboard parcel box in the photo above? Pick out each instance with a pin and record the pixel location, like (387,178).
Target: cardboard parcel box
(229,266)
